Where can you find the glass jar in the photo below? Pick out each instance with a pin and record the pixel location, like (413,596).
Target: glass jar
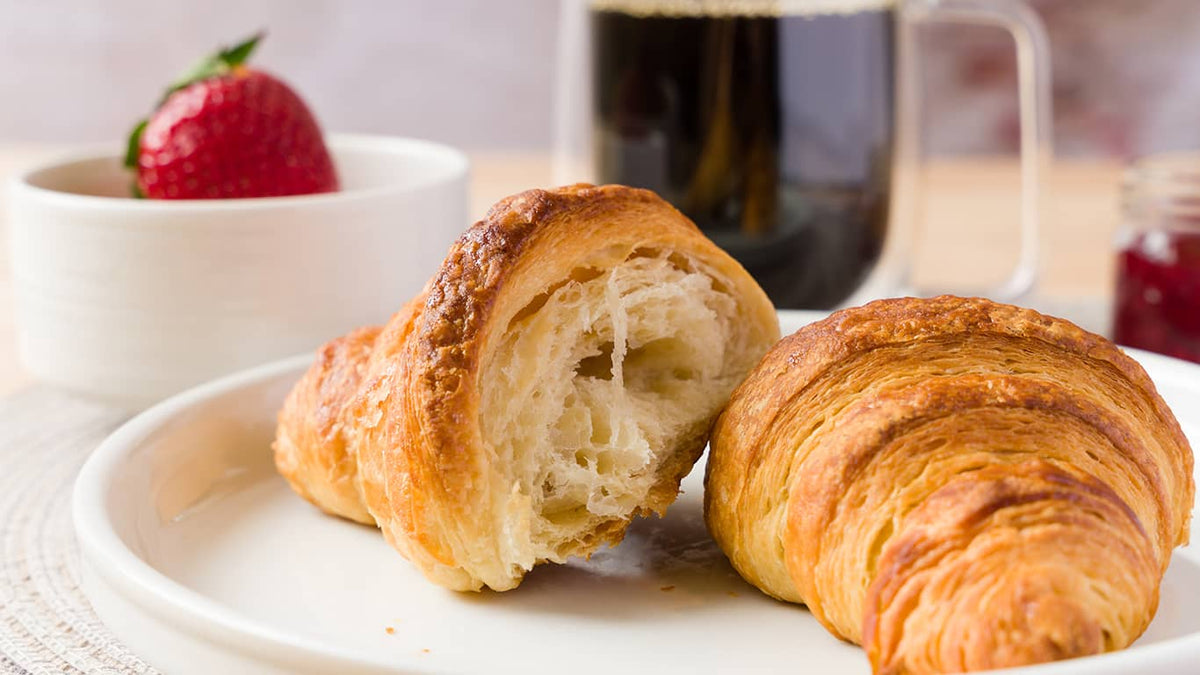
(1158,258)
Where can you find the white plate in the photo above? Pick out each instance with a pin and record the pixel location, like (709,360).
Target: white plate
(201,559)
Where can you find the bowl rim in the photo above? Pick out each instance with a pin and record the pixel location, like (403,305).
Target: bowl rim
(448,165)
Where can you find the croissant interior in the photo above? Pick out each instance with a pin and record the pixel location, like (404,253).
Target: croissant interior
(596,384)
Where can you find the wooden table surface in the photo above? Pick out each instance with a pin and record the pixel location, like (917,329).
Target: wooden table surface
(965,210)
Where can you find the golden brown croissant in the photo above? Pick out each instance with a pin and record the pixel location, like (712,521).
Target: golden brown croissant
(558,376)
(954,484)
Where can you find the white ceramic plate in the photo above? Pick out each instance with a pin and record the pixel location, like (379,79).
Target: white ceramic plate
(201,559)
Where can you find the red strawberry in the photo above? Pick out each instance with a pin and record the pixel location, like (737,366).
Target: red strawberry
(225,131)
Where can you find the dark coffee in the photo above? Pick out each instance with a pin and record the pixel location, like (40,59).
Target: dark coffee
(773,132)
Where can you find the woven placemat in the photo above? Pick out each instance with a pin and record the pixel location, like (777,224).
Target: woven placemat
(46,623)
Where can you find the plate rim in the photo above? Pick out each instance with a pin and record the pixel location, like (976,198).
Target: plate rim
(170,603)
(138,582)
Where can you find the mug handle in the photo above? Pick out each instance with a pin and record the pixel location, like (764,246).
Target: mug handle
(1033,90)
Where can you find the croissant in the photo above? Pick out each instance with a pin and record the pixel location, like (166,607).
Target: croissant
(954,484)
(558,376)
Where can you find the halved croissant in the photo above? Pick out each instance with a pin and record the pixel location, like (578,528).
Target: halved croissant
(558,376)
(954,484)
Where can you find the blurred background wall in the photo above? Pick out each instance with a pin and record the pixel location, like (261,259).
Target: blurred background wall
(1126,80)
(479,73)
(476,73)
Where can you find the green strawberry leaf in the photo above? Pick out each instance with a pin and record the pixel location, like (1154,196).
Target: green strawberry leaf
(237,54)
(214,65)
(135,141)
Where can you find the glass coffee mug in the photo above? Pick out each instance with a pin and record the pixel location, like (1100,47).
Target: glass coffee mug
(786,130)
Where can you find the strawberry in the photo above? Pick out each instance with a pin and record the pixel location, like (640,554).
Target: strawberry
(226,131)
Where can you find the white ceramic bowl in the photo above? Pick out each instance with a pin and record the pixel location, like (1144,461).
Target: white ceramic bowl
(130,301)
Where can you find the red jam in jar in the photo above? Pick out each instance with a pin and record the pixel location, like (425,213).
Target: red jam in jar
(1158,257)
(1158,293)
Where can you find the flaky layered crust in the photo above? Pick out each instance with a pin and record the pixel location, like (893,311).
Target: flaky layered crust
(401,414)
(310,449)
(953,483)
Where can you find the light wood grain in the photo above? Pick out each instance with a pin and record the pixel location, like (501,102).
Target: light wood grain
(966,214)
